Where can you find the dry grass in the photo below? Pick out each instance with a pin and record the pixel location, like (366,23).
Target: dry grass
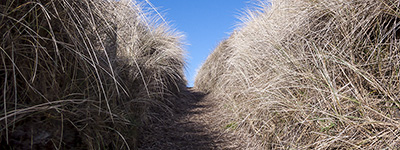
(206,80)
(312,75)
(83,74)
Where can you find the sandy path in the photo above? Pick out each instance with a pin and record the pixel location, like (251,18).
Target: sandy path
(191,127)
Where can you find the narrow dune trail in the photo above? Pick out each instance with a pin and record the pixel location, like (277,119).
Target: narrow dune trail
(192,126)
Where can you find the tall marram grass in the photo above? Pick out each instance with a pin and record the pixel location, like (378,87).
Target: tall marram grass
(302,74)
(83,74)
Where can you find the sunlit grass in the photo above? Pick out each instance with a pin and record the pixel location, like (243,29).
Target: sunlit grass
(311,75)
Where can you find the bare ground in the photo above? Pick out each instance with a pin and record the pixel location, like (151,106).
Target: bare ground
(192,126)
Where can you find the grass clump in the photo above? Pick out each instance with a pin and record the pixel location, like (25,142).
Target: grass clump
(311,75)
(83,74)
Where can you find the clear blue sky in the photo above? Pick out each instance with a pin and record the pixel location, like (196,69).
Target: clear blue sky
(203,22)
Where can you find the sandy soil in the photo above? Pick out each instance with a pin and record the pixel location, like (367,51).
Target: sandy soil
(192,126)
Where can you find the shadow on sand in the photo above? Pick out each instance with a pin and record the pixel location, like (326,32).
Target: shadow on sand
(180,130)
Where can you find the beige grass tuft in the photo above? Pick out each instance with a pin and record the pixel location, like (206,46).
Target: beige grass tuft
(83,74)
(312,75)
